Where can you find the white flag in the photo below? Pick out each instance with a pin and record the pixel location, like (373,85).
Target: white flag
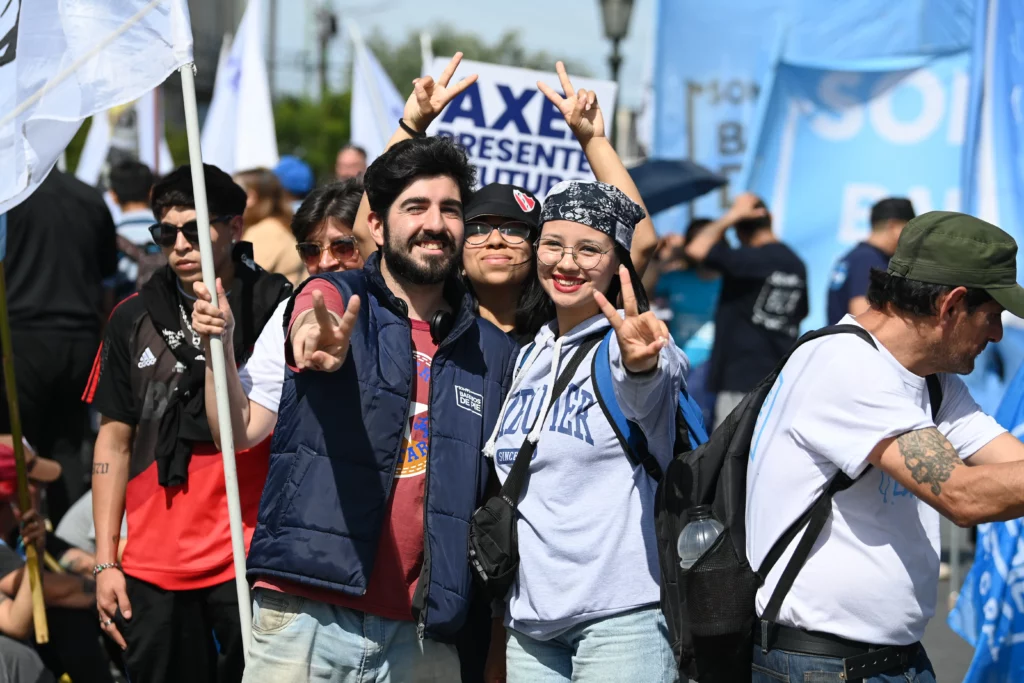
(144,128)
(239,130)
(376,103)
(62,61)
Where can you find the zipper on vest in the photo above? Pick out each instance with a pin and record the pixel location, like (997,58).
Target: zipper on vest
(423,587)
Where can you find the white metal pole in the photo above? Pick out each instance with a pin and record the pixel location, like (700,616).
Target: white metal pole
(220,382)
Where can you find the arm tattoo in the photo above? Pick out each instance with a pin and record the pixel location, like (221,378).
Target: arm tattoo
(929,457)
(100,468)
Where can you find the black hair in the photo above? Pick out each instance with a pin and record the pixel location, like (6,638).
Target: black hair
(131,181)
(223,196)
(752,225)
(338,200)
(536,308)
(914,297)
(891,208)
(354,148)
(406,161)
(694,228)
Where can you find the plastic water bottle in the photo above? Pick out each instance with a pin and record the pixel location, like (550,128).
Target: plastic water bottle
(697,536)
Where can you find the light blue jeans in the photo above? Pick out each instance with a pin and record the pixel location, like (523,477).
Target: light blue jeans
(632,646)
(295,640)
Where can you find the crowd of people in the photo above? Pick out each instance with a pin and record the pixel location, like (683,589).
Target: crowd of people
(395,342)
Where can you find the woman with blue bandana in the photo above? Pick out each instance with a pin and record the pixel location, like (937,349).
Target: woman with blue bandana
(585,604)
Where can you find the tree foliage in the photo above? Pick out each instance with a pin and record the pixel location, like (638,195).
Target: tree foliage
(314,131)
(403,61)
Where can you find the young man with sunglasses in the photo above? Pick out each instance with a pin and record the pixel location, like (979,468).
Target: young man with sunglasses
(172,604)
(323,228)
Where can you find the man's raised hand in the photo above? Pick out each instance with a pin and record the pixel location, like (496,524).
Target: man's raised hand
(430,97)
(579,107)
(641,335)
(321,342)
(208,319)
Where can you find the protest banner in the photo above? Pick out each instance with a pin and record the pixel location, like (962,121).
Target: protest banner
(511,132)
(832,143)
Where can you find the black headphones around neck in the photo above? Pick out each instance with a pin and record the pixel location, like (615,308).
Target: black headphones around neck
(440,325)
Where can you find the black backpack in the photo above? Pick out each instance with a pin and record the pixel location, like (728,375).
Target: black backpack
(710,607)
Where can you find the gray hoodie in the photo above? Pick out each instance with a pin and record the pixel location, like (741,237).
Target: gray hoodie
(586,516)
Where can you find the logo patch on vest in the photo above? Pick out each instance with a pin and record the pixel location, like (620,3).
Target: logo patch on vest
(469,400)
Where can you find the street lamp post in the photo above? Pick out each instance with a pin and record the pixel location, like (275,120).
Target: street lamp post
(615,14)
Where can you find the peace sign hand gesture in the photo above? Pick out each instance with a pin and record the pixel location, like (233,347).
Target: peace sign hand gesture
(321,343)
(641,335)
(579,107)
(429,98)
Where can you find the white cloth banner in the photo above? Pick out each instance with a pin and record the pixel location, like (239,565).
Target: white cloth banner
(376,103)
(62,61)
(239,133)
(98,142)
(511,132)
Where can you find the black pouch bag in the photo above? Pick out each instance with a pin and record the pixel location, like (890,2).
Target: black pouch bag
(493,542)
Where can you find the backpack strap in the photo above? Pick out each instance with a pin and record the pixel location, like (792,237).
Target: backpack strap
(630,436)
(513,486)
(934,395)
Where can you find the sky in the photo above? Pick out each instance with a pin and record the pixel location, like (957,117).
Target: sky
(569,28)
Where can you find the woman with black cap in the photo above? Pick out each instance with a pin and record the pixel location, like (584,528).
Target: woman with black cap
(585,604)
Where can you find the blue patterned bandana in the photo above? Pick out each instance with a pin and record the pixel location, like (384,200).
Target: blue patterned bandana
(595,204)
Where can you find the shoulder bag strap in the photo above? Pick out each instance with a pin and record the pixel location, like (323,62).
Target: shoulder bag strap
(934,395)
(513,485)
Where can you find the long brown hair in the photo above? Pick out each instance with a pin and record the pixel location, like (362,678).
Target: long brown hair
(270,200)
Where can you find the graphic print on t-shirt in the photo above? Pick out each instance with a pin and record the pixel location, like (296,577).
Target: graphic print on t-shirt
(775,308)
(417,428)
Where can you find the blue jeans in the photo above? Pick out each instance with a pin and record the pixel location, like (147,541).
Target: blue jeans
(296,640)
(632,646)
(778,665)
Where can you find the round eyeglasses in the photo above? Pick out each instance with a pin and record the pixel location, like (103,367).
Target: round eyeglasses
(587,256)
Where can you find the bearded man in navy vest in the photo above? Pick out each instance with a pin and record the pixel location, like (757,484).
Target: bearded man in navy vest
(359,556)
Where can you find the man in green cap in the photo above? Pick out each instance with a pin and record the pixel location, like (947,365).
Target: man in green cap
(915,446)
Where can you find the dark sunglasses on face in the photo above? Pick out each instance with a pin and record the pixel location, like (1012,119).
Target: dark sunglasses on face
(513,232)
(166,234)
(342,249)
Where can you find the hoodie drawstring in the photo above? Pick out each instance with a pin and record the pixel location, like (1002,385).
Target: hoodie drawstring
(556,360)
(517,379)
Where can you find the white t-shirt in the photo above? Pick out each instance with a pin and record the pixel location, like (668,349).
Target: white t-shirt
(873,573)
(263,375)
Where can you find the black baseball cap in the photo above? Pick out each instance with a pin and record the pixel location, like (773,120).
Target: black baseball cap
(505,201)
(957,250)
(892,208)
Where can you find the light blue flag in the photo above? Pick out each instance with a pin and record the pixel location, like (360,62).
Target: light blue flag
(989,613)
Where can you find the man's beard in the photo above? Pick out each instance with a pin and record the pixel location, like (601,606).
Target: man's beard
(433,271)
(959,362)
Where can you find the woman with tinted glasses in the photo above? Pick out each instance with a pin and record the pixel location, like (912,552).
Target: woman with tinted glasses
(322,228)
(266,219)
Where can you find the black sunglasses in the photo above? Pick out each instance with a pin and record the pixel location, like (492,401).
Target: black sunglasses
(343,249)
(166,234)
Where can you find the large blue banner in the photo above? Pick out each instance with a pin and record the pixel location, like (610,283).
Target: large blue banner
(994,159)
(989,613)
(833,143)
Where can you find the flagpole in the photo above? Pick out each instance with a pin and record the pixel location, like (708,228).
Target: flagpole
(220,383)
(24,500)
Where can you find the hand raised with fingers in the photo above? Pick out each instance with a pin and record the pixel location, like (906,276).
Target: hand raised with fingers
(321,342)
(579,107)
(430,97)
(641,335)
(208,319)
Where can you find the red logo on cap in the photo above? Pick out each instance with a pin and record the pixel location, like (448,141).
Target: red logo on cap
(525,203)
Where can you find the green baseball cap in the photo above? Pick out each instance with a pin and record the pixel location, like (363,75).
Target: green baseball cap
(957,250)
